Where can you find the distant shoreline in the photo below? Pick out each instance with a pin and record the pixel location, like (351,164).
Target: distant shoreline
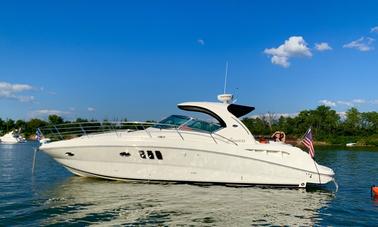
(325,145)
(341,147)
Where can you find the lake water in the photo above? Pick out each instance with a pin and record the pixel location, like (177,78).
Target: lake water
(53,196)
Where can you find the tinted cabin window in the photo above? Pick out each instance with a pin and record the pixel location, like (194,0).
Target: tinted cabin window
(158,155)
(150,155)
(174,120)
(203,125)
(142,154)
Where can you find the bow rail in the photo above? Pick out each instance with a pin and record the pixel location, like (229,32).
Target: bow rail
(67,131)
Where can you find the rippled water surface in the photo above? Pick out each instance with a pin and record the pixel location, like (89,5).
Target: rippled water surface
(53,196)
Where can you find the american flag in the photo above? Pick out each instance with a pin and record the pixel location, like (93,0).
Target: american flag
(307,141)
(38,134)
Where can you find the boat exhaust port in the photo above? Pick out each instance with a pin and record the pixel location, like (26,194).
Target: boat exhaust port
(69,154)
(124,154)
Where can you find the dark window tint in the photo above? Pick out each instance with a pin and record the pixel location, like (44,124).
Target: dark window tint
(158,155)
(142,154)
(150,155)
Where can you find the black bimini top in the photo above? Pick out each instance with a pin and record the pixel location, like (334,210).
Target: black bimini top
(239,110)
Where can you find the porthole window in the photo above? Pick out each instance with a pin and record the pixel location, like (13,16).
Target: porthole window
(142,154)
(159,155)
(150,155)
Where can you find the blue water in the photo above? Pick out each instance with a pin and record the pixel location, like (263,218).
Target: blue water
(53,196)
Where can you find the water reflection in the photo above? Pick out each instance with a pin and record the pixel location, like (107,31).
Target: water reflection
(88,201)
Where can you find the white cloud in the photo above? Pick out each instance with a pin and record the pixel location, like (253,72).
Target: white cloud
(91,109)
(327,102)
(352,102)
(26,98)
(4,86)
(11,91)
(361,44)
(359,101)
(374,29)
(201,42)
(342,115)
(48,92)
(295,46)
(322,46)
(46,112)
(349,103)
(345,103)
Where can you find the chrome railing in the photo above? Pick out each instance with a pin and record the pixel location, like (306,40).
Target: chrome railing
(78,129)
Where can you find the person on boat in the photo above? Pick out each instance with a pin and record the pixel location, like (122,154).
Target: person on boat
(279,136)
(262,140)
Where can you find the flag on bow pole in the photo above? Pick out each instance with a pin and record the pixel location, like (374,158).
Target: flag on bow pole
(307,141)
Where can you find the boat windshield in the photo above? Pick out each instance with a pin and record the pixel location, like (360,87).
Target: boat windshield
(174,120)
(187,123)
(199,125)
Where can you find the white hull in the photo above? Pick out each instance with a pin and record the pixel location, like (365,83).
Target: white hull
(185,162)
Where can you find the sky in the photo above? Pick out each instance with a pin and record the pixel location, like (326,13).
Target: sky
(138,59)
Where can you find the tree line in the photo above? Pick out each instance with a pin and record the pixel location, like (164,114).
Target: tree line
(326,124)
(29,128)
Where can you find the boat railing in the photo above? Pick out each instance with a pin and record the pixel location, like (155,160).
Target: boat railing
(79,129)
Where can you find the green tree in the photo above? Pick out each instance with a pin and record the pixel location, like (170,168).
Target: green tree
(32,125)
(284,124)
(352,122)
(2,127)
(369,122)
(20,124)
(302,122)
(55,119)
(325,121)
(257,126)
(9,125)
(79,120)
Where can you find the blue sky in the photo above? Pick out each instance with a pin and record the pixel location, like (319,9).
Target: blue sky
(138,59)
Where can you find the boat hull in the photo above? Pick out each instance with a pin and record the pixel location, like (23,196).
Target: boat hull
(182,165)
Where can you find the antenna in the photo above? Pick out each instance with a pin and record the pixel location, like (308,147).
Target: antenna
(225,98)
(225,78)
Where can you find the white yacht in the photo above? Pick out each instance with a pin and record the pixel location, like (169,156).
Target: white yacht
(12,137)
(184,149)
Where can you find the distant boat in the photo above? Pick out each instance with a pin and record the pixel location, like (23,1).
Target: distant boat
(45,140)
(12,137)
(351,144)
